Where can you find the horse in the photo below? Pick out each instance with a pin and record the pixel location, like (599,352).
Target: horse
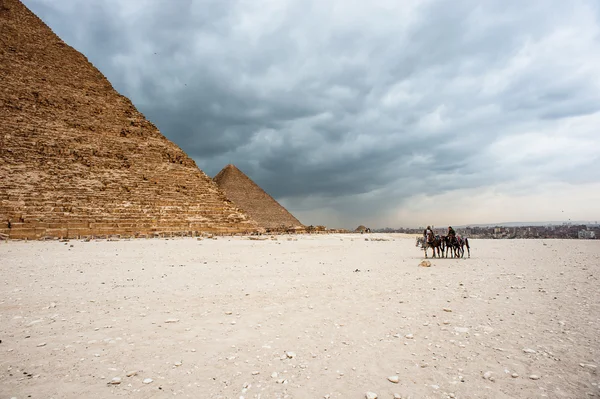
(434,243)
(420,241)
(462,242)
(456,245)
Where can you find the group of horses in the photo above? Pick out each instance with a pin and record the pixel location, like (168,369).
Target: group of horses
(455,245)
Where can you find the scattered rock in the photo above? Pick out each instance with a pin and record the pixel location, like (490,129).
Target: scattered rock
(447,310)
(425,263)
(409,336)
(370,395)
(534,377)
(255,372)
(115,381)
(42,344)
(290,355)
(529,350)
(131,373)
(171,320)
(514,375)
(394,379)
(488,376)
(147,380)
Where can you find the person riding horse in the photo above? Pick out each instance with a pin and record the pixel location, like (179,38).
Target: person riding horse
(451,233)
(428,234)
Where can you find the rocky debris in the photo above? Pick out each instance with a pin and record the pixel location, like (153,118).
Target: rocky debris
(425,263)
(370,395)
(489,376)
(589,366)
(534,377)
(41,344)
(131,373)
(447,310)
(409,336)
(394,379)
(529,350)
(290,355)
(115,381)
(147,380)
(514,375)
(171,320)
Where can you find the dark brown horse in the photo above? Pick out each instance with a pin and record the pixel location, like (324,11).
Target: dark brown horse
(434,243)
(456,246)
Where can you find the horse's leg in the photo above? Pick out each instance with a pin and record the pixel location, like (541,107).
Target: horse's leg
(468,247)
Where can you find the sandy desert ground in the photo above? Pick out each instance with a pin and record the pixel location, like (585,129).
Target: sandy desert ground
(329,316)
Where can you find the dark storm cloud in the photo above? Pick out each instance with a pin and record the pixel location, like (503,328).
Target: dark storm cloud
(354,106)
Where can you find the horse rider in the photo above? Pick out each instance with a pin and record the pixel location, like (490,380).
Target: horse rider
(451,233)
(427,234)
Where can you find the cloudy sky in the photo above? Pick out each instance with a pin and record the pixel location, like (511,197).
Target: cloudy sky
(382,112)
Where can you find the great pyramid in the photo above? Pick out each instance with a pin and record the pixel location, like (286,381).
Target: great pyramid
(78,159)
(253,200)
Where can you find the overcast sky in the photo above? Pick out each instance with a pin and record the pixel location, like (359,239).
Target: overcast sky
(382,112)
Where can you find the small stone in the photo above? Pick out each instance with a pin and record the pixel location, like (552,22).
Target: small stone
(115,381)
(131,373)
(42,344)
(397,396)
(487,375)
(255,372)
(534,377)
(394,379)
(290,355)
(409,336)
(177,364)
(425,263)
(274,374)
(529,350)
(447,310)
(171,320)
(228,312)
(370,395)
(514,375)
(147,380)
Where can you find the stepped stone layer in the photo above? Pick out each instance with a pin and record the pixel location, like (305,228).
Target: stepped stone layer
(247,195)
(78,159)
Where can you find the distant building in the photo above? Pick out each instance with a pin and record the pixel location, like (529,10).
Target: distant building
(586,235)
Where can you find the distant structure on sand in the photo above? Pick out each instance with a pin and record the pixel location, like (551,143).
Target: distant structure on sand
(253,200)
(77,158)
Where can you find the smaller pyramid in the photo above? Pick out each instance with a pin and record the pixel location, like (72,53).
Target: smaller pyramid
(253,200)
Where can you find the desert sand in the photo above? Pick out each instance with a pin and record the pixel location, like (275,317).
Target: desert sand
(323,316)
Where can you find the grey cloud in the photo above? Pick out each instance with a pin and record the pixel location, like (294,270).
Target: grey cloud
(356,108)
